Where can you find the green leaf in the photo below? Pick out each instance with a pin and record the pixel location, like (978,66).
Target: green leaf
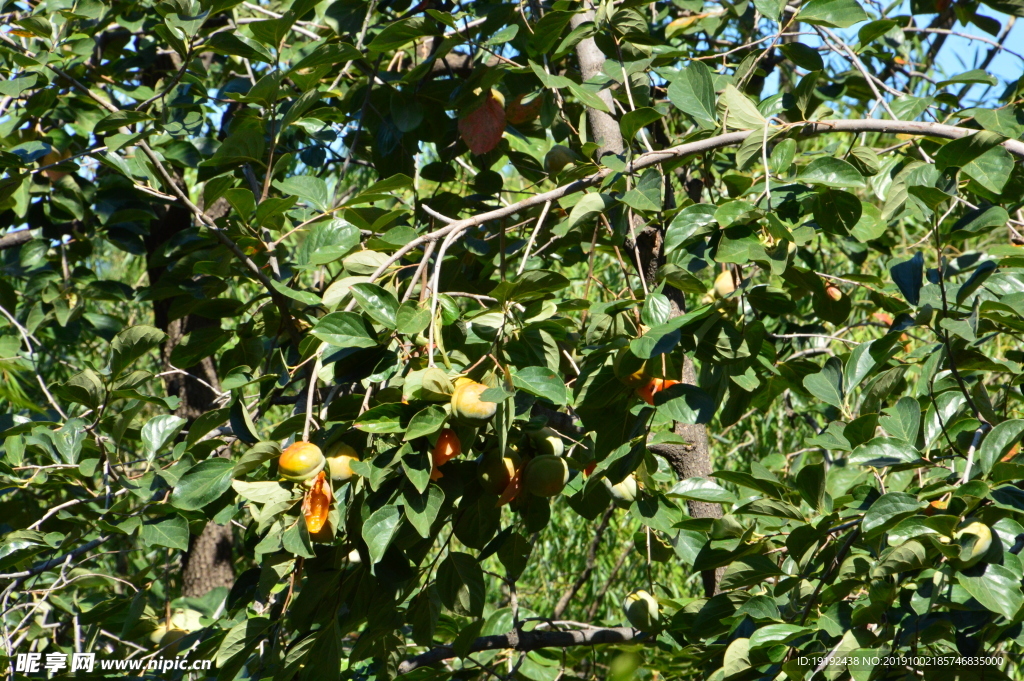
(327,242)
(743,113)
(998,443)
(887,510)
(832,13)
(996,587)
(633,121)
(460,583)
(884,451)
(909,277)
(381,190)
(264,492)
(837,211)
(241,422)
(308,187)
(776,634)
(702,489)
(378,302)
(159,431)
(542,382)
(240,641)
(411,318)
(530,285)
(197,345)
(327,55)
(401,33)
(685,403)
(874,30)
(379,529)
(958,153)
(422,509)
(810,483)
(514,554)
(693,92)
(425,422)
(203,484)
(85,387)
(120,119)
(295,540)
(903,420)
(831,172)
(238,45)
(647,195)
(827,384)
(345,330)
(131,344)
(803,56)
(991,170)
(690,222)
(736,661)
(972,76)
(384,418)
(588,206)
(171,532)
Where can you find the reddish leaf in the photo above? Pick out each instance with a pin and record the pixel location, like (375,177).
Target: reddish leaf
(481,129)
(519,113)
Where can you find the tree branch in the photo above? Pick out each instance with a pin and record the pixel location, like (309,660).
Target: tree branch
(528,640)
(653,158)
(15,239)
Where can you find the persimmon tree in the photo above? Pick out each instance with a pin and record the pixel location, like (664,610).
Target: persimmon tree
(364,339)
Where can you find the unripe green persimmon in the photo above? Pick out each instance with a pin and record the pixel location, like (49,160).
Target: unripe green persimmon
(547,441)
(545,475)
(339,460)
(642,610)
(623,492)
(974,539)
(559,157)
(495,472)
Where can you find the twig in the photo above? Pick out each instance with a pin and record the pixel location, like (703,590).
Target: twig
(533,236)
(970,452)
(588,568)
(528,640)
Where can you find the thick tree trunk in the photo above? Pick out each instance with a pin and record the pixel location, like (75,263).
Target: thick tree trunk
(694,458)
(208,563)
(604,129)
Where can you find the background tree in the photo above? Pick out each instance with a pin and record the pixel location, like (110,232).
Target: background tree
(643,338)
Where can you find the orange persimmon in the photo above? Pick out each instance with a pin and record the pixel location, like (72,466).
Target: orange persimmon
(447,448)
(655,385)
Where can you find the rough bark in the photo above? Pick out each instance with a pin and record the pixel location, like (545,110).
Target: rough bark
(694,458)
(604,129)
(208,562)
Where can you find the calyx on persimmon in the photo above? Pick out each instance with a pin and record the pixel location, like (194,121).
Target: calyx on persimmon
(316,505)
